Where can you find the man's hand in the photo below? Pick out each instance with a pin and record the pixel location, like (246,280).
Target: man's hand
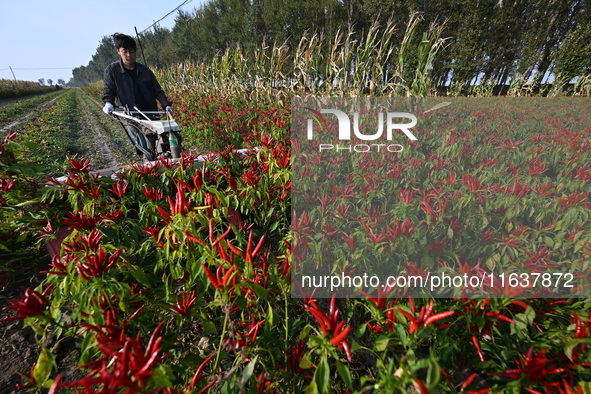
(108,108)
(169,110)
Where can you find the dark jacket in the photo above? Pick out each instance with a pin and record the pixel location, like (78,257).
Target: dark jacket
(118,84)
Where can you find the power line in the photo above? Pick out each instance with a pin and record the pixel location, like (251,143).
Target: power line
(165,16)
(39,68)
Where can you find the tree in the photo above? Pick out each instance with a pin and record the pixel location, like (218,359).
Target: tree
(572,58)
(156,45)
(486,40)
(49,81)
(105,54)
(41,81)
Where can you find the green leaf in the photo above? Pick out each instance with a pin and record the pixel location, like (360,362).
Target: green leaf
(381,343)
(270,213)
(311,389)
(345,374)
(548,241)
(433,373)
(44,366)
(322,375)
(570,345)
(523,320)
(247,373)
(209,326)
(306,361)
(258,289)
(305,331)
(492,261)
(438,106)
(162,375)
(273,227)
(142,277)
(585,386)
(271,317)
(402,334)
(124,301)
(4,247)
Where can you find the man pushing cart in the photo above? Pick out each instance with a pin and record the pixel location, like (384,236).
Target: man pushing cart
(136,89)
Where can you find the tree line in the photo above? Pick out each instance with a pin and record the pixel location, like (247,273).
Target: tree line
(480,41)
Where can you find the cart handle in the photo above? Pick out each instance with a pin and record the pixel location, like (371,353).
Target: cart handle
(124,112)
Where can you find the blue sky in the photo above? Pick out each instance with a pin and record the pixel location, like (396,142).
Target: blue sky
(46,39)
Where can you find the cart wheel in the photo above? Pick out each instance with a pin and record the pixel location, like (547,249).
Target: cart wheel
(145,144)
(142,145)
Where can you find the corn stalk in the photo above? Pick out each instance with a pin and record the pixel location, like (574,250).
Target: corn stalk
(341,66)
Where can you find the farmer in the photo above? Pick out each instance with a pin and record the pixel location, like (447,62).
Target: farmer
(132,83)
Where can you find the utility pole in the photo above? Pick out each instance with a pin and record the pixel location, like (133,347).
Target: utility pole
(14,76)
(139,42)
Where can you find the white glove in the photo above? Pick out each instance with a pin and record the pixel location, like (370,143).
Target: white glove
(169,110)
(108,108)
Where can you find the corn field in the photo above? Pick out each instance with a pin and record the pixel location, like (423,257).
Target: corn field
(373,66)
(14,88)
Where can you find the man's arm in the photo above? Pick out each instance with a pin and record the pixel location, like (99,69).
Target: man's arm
(109,87)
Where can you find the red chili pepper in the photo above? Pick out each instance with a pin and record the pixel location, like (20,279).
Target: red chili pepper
(119,188)
(198,376)
(32,304)
(224,235)
(56,384)
(421,385)
(341,335)
(182,306)
(429,309)
(152,193)
(499,316)
(234,249)
(134,314)
(438,316)
(211,277)
(520,303)
(184,184)
(211,229)
(332,310)
(197,180)
(228,275)
(172,205)
(477,346)
(328,325)
(321,318)
(468,381)
(577,325)
(193,238)
(391,319)
(223,254)
(250,252)
(413,322)
(167,218)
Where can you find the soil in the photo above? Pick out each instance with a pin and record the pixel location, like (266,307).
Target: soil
(104,140)
(19,345)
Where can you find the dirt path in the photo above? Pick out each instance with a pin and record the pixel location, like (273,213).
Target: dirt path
(106,150)
(19,347)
